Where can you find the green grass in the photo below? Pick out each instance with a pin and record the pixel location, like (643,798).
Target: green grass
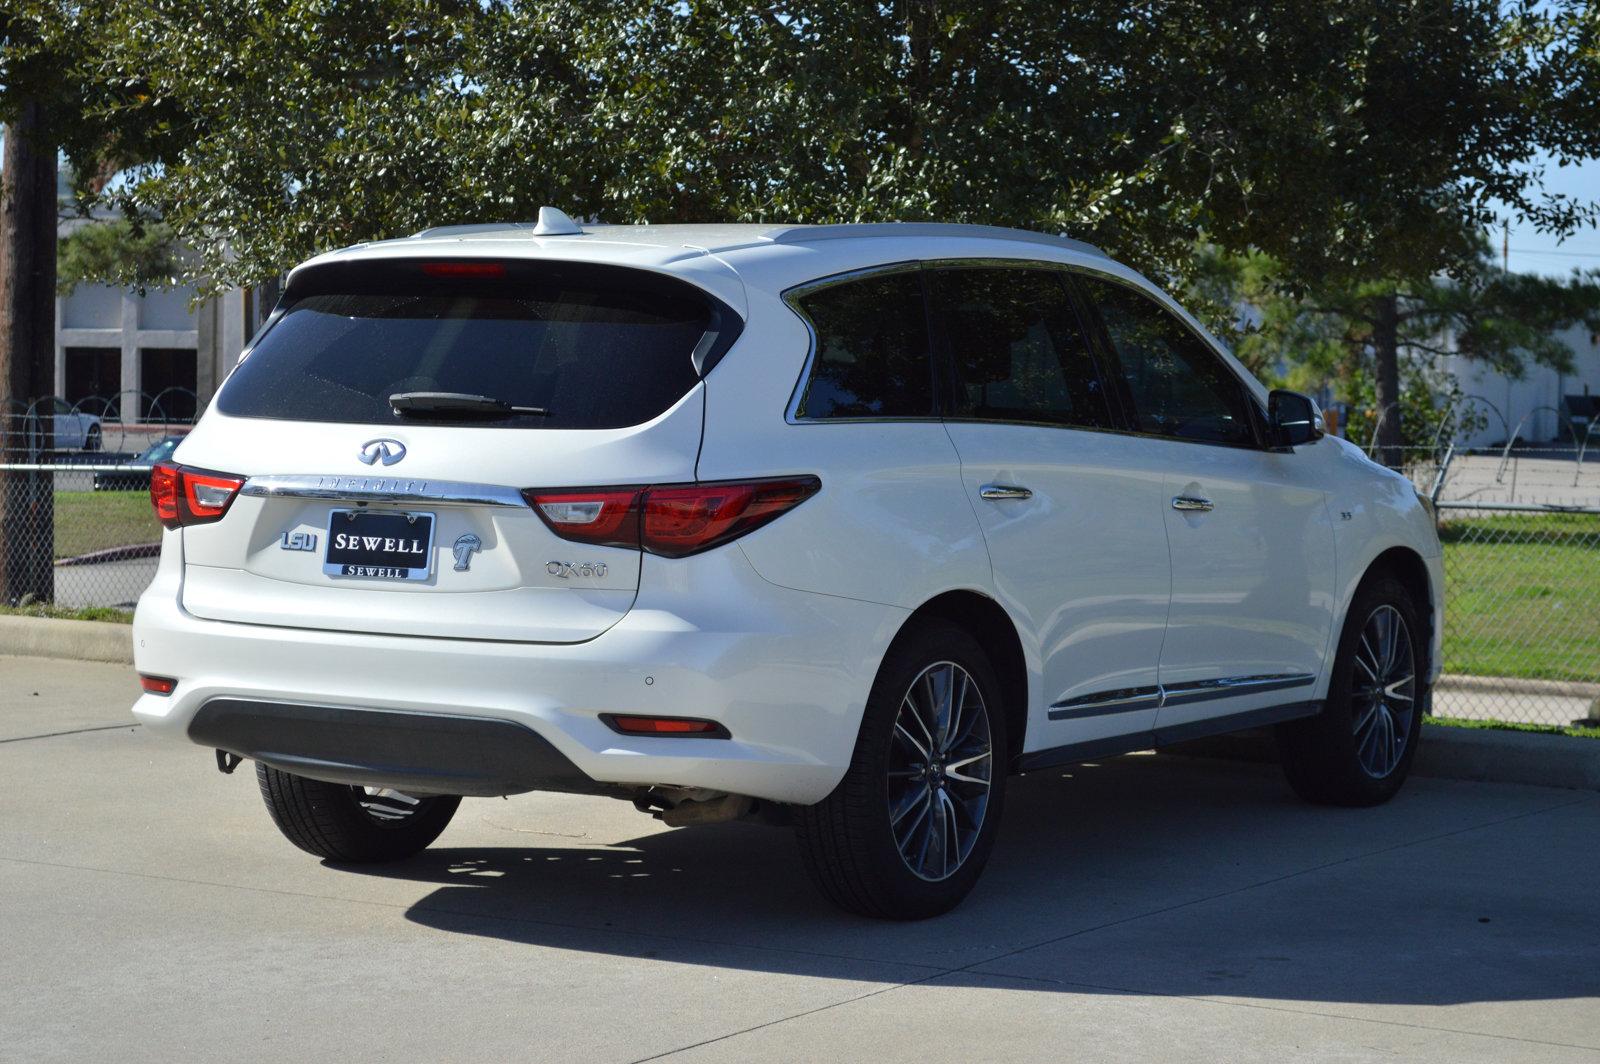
(95,520)
(1504,725)
(1522,596)
(81,613)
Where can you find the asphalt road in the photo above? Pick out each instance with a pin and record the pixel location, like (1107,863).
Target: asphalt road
(1146,909)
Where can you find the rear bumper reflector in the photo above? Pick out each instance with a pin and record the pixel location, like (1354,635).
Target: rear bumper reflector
(688,727)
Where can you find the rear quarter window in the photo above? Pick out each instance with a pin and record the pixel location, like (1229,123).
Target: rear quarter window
(595,347)
(872,358)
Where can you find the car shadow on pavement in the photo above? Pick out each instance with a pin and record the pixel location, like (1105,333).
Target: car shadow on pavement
(1148,875)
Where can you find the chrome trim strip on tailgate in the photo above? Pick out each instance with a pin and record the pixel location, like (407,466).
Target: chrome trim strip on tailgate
(382,489)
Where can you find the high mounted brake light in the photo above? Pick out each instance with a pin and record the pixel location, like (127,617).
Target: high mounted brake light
(464,269)
(672,520)
(183,496)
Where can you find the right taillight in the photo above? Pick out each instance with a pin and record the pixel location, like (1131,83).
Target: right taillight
(672,520)
(184,496)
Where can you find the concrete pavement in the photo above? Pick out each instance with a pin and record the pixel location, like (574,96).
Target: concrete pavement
(1143,909)
(117,583)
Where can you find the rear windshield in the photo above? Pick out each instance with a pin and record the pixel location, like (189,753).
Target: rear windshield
(594,347)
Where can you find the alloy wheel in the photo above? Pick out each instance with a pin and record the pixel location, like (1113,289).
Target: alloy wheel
(1383,691)
(940,767)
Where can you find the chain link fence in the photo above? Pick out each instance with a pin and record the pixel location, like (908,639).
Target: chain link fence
(1522,612)
(1520,527)
(79,534)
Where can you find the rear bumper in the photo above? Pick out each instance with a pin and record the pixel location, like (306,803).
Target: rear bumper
(419,753)
(786,672)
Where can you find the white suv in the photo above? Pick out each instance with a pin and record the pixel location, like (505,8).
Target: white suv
(836,526)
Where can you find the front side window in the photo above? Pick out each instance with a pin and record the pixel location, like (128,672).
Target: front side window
(872,358)
(1177,386)
(1016,347)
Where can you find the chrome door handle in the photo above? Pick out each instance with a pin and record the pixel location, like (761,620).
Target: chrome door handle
(1004,491)
(1191,504)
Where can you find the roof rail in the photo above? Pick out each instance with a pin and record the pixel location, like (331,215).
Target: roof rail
(468,230)
(552,222)
(806,234)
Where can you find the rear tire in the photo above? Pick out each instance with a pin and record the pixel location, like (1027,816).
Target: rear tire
(343,823)
(908,830)
(1359,749)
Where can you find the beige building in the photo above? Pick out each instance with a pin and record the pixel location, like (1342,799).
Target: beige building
(156,355)
(1534,406)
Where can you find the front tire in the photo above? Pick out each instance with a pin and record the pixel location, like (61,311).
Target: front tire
(354,824)
(1358,750)
(908,830)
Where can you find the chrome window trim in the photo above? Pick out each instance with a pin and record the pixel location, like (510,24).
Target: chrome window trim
(381,489)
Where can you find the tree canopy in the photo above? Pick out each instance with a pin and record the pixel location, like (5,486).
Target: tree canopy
(1368,138)
(1327,339)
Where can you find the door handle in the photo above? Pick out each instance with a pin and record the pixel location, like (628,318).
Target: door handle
(1191,504)
(1004,491)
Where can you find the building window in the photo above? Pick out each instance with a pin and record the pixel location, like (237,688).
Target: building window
(92,373)
(167,379)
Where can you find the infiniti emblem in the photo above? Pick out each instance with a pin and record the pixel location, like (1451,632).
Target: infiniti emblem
(389,451)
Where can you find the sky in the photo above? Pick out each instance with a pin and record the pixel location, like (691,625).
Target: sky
(1533,252)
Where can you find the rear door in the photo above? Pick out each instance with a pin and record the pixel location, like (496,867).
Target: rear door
(1250,535)
(1071,510)
(354,517)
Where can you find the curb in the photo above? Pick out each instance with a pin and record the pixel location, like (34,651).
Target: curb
(114,554)
(1483,755)
(1509,685)
(50,637)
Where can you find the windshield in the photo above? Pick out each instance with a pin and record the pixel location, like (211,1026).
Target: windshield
(160,451)
(594,347)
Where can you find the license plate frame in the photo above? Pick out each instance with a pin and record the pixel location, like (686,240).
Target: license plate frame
(361,562)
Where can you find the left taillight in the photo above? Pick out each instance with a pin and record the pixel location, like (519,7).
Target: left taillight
(183,496)
(672,520)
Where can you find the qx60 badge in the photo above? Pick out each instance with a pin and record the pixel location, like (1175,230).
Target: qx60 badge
(568,570)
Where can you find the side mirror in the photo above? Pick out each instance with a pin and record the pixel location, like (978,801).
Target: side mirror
(1292,419)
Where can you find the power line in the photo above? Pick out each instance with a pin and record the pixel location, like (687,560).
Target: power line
(1565,254)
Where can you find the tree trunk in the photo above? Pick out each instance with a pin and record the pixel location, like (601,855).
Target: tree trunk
(1386,349)
(27,357)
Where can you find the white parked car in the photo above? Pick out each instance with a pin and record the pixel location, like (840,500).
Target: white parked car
(72,429)
(838,526)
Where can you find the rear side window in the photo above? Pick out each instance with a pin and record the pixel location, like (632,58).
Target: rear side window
(1176,384)
(872,358)
(594,347)
(1016,347)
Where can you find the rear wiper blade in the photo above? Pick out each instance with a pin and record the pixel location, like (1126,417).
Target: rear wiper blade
(459,405)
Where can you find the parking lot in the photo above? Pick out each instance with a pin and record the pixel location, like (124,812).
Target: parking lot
(1149,908)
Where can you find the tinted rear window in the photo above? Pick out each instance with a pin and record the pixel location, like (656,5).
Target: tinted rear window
(872,358)
(1017,348)
(597,347)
